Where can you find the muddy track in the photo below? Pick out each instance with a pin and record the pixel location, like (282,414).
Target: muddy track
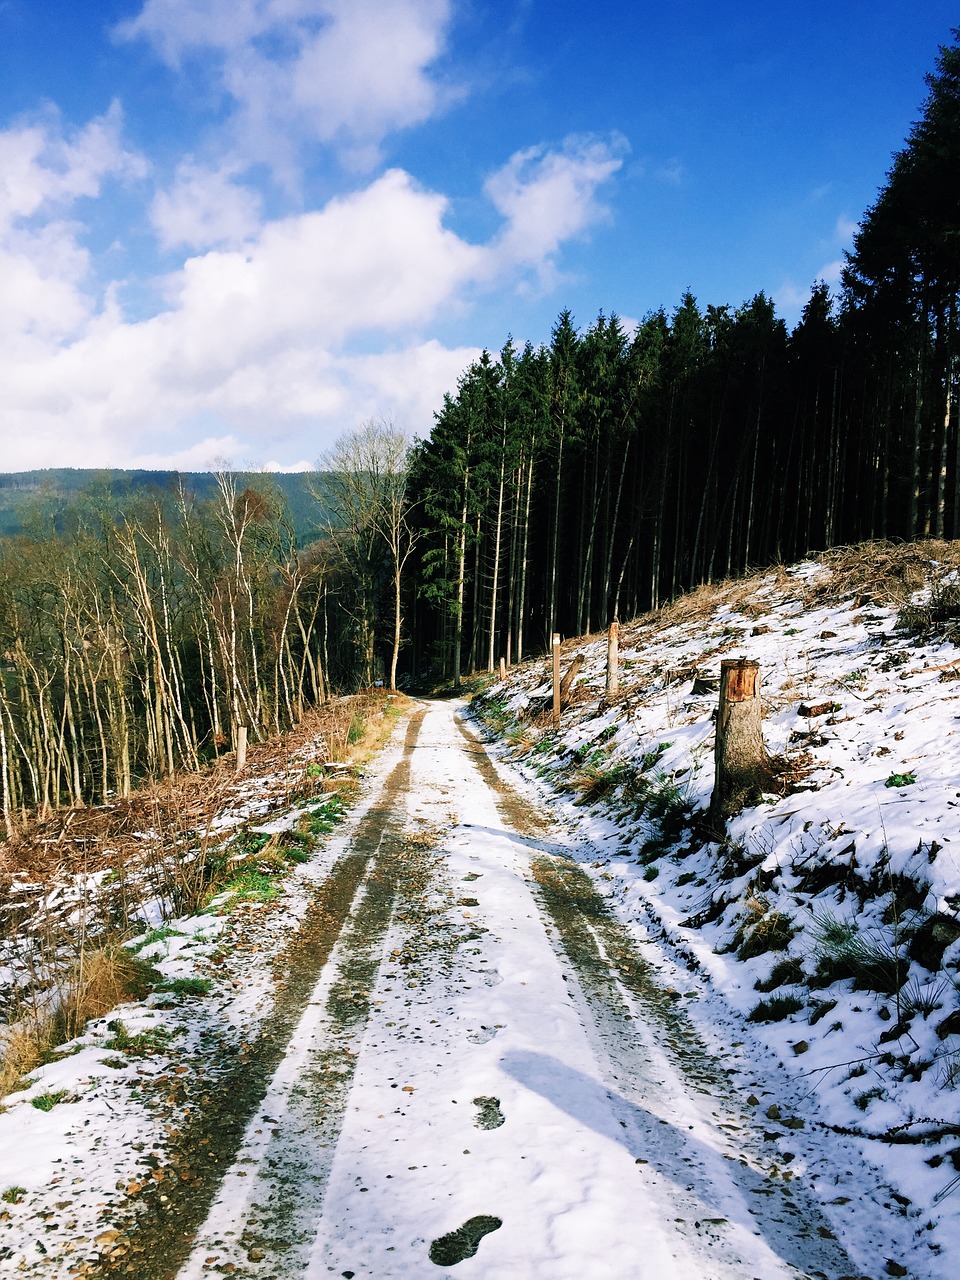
(156,1237)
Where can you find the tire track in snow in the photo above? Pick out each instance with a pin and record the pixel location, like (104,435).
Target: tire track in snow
(655,1063)
(159,1237)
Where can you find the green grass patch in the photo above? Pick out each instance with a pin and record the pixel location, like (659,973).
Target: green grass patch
(252,885)
(138,1044)
(185,986)
(155,935)
(47,1101)
(901,780)
(323,818)
(13,1195)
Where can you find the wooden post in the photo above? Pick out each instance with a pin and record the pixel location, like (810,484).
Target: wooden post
(503,669)
(241,747)
(742,765)
(568,679)
(556,681)
(613,660)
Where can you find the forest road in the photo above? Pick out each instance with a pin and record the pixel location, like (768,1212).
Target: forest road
(480,1072)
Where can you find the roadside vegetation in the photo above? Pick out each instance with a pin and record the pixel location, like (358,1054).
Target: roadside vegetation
(829,906)
(85,892)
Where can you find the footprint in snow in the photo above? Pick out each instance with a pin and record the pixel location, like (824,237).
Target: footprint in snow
(463,1243)
(482,1035)
(489,1115)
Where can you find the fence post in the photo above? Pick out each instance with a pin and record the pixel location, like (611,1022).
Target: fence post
(742,764)
(556,681)
(613,660)
(241,746)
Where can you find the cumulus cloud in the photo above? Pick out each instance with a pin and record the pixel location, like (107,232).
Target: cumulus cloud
(314,322)
(205,208)
(44,264)
(547,197)
(341,72)
(43,168)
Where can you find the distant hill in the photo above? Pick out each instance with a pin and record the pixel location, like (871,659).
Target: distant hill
(39,499)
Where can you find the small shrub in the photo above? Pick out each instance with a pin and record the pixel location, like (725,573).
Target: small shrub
(775,1009)
(13,1195)
(593,782)
(939,615)
(651,872)
(863,1100)
(650,758)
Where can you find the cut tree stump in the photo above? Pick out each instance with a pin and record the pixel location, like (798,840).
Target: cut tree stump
(742,764)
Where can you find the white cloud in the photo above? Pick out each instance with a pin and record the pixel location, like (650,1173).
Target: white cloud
(548,197)
(204,209)
(43,262)
(342,72)
(317,321)
(41,168)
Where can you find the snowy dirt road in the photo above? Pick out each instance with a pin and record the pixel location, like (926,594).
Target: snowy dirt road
(472,1066)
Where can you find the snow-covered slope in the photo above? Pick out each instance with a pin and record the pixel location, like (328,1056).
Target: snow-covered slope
(826,918)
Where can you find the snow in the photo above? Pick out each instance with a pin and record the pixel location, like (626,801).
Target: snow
(459,1060)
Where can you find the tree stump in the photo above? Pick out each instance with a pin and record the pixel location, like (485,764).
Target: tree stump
(742,764)
(241,747)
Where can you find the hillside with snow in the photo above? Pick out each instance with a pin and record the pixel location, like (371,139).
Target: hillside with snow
(368,1003)
(825,919)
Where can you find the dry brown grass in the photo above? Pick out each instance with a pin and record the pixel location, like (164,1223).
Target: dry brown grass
(888,572)
(23,1047)
(101,978)
(70,841)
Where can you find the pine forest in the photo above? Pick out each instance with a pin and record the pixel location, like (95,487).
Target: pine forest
(562,487)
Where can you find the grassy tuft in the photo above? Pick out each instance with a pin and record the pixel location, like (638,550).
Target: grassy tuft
(47,1101)
(776,1009)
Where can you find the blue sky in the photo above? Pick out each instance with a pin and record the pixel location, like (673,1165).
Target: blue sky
(231,230)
